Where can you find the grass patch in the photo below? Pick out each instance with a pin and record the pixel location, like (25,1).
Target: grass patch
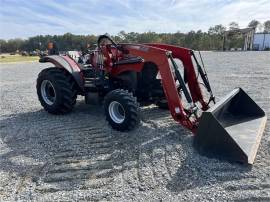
(17,58)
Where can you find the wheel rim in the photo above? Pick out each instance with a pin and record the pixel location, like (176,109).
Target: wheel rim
(117,112)
(48,92)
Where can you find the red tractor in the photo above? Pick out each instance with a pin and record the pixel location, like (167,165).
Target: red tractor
(125,76)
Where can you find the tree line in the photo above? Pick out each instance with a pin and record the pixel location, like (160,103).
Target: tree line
(197,40)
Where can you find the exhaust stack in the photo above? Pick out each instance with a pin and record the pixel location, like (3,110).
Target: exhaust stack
(231,129)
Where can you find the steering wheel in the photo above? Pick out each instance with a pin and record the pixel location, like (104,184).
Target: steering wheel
(105,44)
(106,40)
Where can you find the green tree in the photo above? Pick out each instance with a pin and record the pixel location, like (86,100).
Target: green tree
(233,26)
(254,24)
(3,46)
(210,40)
(217,29)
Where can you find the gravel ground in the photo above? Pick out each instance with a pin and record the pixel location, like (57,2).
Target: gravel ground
(78,157)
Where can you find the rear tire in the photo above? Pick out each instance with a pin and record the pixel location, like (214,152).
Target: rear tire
(56,90)
(121,110)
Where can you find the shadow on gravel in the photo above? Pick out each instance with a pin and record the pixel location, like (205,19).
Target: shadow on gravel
(197,171)
(197,174)
(66,151)
(46,148)
(16,143)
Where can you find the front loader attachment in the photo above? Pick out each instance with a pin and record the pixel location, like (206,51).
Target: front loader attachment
(231,129)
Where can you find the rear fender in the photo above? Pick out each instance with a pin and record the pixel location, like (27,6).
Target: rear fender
(67,63)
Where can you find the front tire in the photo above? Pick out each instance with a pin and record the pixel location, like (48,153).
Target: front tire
(56,90)
(121,110)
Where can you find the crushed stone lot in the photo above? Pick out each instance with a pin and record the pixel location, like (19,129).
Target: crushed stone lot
(79,157)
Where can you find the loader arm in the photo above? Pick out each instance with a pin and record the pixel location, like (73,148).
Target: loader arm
(160,56)
(185,55)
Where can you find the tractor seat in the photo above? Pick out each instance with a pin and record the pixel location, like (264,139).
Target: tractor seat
(131,60)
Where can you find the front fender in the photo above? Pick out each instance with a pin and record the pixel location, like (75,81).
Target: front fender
(67,63)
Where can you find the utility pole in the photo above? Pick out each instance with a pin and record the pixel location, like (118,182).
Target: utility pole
(263,41)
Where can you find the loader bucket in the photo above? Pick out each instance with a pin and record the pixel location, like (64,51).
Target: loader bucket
(231,129)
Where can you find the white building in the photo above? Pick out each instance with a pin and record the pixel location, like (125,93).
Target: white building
(261,41)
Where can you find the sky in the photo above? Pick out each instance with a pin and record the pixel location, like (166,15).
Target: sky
(25,18)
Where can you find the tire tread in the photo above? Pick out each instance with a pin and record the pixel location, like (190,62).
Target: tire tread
(64,84)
